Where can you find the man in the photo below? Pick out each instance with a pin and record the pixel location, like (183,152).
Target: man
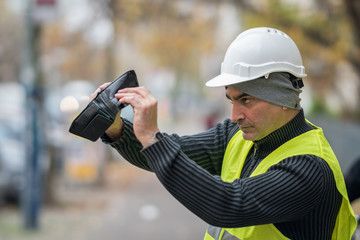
(265,174)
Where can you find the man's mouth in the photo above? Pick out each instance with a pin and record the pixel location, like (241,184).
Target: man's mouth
(244,127)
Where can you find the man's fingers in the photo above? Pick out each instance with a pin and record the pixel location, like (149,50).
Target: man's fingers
(135,100)
(126,97)
(142,91)
(102,87)
(137,97)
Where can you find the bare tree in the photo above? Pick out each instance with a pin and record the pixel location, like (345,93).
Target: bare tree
(353,13)
(10,39)
(327,34)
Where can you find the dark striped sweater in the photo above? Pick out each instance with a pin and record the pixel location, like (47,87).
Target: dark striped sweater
(298,195)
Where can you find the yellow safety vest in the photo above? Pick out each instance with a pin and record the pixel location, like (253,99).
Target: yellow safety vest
(310,143)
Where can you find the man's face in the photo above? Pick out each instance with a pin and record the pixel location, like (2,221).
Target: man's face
(256,118)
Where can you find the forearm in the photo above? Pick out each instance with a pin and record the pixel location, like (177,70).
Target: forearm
(206,149)
(128,146)
(115,130)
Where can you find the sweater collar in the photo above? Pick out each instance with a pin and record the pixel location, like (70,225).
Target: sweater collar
(295,127)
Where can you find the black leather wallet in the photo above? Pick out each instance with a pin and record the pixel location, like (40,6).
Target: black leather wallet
(100,113)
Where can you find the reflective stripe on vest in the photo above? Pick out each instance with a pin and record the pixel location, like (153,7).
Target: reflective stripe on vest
(214,232)
(228,236)
(219,233)
(310,143)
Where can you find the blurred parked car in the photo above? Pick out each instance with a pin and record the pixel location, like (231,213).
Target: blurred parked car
(12,165)
(12,144)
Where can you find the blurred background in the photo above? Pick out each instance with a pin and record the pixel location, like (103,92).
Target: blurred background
(55,53)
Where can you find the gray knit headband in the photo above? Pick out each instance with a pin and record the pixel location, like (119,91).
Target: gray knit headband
(277,89)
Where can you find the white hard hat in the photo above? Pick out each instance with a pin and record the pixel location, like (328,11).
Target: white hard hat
(256,53)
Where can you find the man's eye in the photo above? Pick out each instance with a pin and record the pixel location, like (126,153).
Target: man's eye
(246,100)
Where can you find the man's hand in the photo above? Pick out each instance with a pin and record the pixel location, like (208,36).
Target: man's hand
(145,112)
(114,131)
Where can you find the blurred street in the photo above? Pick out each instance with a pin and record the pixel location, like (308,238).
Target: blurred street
(54,54)
(131,205)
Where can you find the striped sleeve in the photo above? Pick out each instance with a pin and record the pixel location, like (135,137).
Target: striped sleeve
(206,148)
(290,189)
(129,147)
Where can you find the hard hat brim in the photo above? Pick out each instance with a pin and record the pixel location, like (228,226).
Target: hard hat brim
(226,79)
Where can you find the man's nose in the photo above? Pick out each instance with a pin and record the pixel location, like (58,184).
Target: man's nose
(237,113)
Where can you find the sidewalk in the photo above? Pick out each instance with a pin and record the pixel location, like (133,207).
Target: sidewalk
(133,206)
